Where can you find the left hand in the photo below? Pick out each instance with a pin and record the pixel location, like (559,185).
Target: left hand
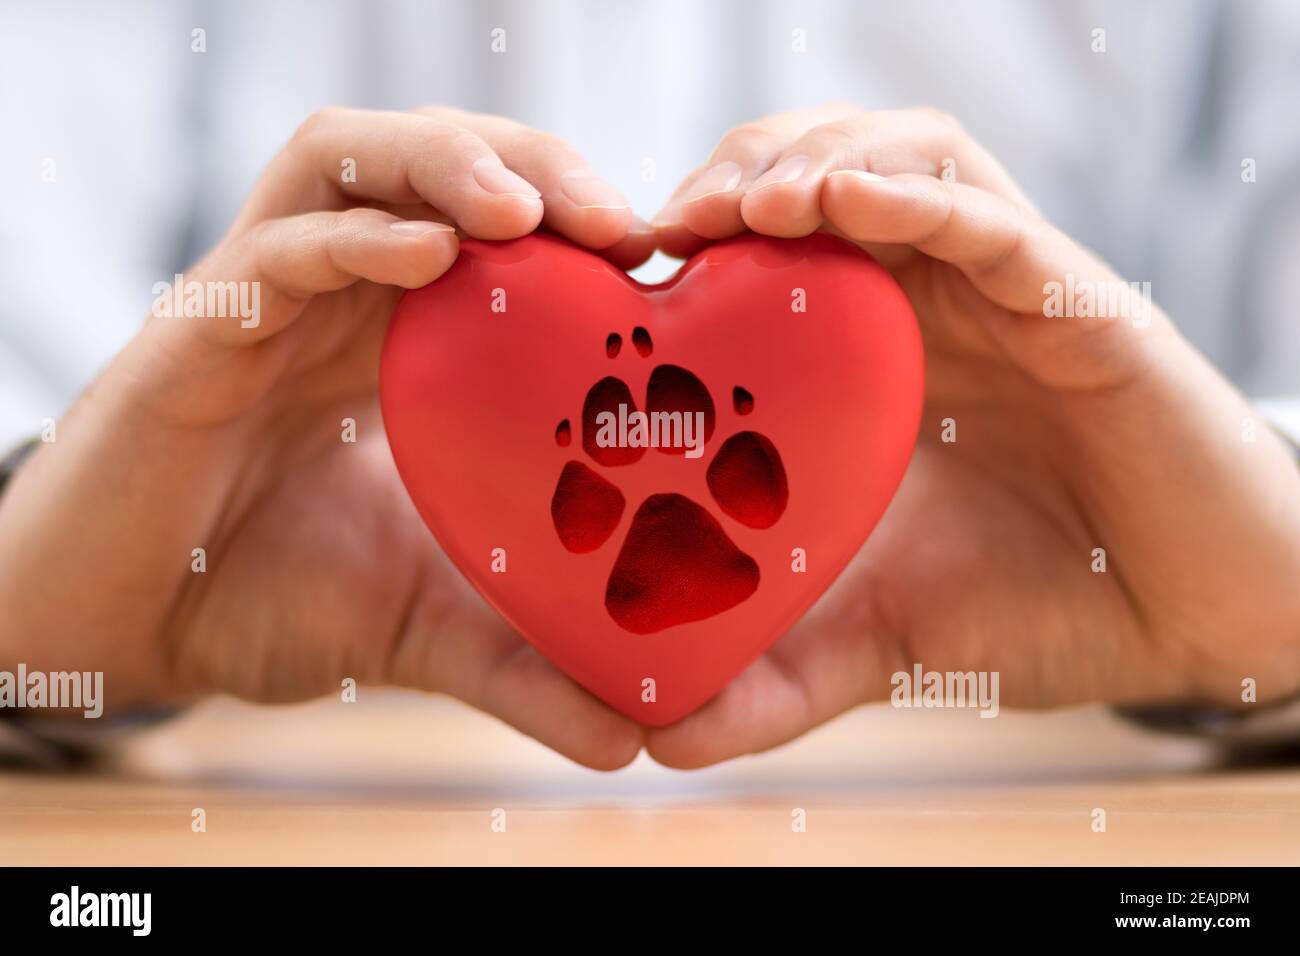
(1073,434)
(208,438)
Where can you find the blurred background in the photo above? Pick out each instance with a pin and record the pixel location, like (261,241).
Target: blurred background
(1165,134)
(1136,151)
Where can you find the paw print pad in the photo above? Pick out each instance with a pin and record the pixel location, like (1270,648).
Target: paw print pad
(677,563)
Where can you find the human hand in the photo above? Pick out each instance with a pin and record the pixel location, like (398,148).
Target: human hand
(1072,434)
(225,434)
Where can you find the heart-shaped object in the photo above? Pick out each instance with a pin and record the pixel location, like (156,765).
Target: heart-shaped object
(523,393)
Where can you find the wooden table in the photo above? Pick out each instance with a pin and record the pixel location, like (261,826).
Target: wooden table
(399,778)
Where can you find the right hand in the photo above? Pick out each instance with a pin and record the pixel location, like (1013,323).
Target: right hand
(207,434)
(1076,433)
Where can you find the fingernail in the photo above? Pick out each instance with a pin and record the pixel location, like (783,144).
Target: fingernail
(722,178)
(639,227)
(590,191)
(859,174)
(667,217)
(786,171)
(495,178)
(418,227)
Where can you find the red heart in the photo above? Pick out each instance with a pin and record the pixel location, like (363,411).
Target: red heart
(628,564)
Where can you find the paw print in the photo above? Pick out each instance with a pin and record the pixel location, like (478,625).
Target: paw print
(677,564)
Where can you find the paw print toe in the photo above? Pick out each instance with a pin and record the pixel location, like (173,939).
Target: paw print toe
(747,479)
(641,342)
(677,563)
(585,508)
(673,390)
(605,396)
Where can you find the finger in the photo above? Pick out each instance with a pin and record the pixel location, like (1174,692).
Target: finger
(784,201)
(487,665)
(1015,260)
(673,236)
(1007,253)
(634,248)
(578,203)
(343,156)
(811,675)
(707,202)
(628,253)
(758,710)
(528,693)
(278,265)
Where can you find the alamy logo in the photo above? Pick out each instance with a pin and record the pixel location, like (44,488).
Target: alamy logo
(72,690)
(922,688)
(75,908)
(181,299)
(1077,298)
(653,430)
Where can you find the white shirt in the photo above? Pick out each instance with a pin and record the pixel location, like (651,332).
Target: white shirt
(1136,151)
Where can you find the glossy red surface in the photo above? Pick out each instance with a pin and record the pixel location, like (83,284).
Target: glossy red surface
(490,378)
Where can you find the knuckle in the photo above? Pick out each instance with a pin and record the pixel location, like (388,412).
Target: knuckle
(524,139)
(843,138)
(430,138)
(428,132)
(259,245)
(847,130)
(320,120)
(350,220)
(261,235)
(748,139)
(1023,232)
(1031,230)
(938,117)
